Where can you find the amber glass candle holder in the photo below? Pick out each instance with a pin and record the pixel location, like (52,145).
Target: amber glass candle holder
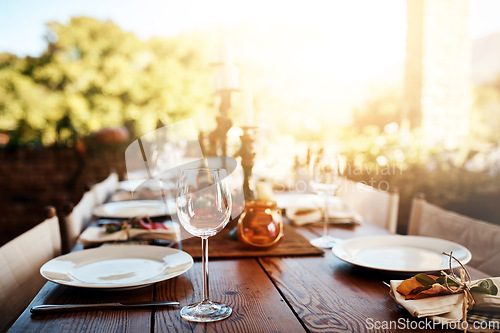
(261,224)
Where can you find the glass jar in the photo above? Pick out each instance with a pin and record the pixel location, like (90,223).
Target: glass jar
(261,224)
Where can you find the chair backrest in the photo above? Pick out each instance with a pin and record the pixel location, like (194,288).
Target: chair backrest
(480,237)
(20,262)
(374,205)
(103,190)
(76,219)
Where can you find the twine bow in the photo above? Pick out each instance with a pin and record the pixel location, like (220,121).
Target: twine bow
(464,284)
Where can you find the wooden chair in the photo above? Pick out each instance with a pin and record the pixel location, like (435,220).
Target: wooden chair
(377,206)
(78,217)
(20,262)
(480,237)
(75,219)
(102,191)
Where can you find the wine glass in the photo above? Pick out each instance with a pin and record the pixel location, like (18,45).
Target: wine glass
(325,179)
(203,203)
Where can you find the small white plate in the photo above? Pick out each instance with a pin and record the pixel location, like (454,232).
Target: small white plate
(117,267)
(403,254)
(132,208)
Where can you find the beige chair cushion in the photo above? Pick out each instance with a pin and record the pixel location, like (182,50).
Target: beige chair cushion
(480,237)
(374,205)
(20,262)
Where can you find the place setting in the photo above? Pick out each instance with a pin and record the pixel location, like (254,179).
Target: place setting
(450,297)
(203,207)
(308,209)
(123,221)
(428,278)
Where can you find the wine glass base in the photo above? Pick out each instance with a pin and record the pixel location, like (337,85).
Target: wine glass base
(325,242)
(206,312)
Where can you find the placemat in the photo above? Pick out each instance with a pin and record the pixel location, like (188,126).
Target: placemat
(222,246)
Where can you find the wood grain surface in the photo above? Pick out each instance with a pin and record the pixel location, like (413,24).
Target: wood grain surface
(330,295)
(137,320)
(267,293)
(243,285)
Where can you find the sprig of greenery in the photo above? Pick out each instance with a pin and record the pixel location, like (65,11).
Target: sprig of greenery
(486,286)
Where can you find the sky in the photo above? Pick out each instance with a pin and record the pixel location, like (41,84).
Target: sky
(22,22)
(319,54)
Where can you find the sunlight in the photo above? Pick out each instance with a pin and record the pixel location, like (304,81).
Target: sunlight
(356,40)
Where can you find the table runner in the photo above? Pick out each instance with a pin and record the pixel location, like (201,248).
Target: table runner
(223,246)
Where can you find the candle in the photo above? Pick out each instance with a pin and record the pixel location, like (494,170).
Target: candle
(248,108)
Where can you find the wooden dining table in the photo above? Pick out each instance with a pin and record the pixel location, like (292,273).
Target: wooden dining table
(281,293)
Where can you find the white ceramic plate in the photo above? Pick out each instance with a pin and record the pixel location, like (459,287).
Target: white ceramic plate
(133,208)
(404,254)
(116,267)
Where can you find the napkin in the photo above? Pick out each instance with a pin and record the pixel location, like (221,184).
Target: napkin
(445,309)
(98,234)
(310,210)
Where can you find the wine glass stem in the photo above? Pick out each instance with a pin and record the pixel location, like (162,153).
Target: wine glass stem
(325,224)
(204,260)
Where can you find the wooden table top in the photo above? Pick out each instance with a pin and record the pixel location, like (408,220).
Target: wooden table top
(267,294)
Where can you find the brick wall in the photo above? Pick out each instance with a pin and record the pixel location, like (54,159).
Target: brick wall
(32,179)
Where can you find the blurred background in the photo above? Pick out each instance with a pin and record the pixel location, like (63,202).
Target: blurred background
(408,91)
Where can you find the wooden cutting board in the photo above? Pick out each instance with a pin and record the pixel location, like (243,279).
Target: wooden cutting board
(224,246)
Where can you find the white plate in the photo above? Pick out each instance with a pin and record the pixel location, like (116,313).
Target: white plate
(132,208)
(112,267)
(404,254)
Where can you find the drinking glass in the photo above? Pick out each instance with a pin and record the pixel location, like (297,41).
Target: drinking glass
(325,179)
(203,203)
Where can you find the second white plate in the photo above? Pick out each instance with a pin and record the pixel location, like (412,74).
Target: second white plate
(403,254)
(133,208)
(112,267)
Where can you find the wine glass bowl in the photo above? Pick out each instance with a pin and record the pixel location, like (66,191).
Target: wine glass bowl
(325,178)
(204,204)
(202,215)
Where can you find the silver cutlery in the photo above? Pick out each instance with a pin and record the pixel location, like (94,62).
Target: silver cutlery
(51,308)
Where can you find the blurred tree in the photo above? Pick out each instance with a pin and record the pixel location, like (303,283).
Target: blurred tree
(100,76)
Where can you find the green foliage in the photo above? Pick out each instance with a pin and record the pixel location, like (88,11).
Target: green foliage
(100,76)
(450,178)
(456,178)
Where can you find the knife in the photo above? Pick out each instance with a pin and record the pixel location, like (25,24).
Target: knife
(51,308)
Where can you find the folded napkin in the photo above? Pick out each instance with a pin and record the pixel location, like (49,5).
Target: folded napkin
(98,234)
(310,210)
(447,308)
